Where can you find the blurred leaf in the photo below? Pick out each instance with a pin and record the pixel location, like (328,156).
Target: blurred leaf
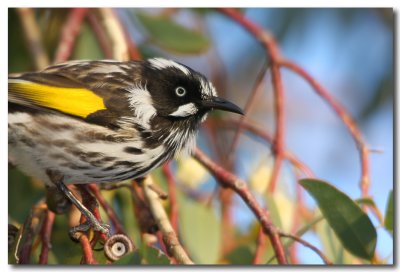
(260,178)
(191,172)
(240,256)
(352,226)
(154,256)
(171,36)
(200,231)
(87,46)
(389,213)
(273,210)
(132,258)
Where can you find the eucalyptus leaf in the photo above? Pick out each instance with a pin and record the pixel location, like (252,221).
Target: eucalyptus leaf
(351,225)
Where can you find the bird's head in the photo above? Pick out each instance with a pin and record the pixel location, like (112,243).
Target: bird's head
(173,91)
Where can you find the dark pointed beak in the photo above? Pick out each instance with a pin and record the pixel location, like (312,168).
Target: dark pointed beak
(221,104)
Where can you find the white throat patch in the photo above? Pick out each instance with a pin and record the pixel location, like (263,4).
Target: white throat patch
(185,110)
(160,63)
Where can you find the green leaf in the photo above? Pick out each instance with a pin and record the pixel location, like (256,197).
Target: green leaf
(200,231)
(154,256)
(352,226)
(389,213)
(167,34)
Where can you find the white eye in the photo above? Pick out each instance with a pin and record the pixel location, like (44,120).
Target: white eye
(180,91)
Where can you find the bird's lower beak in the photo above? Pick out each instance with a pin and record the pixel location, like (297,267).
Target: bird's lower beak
(221,104)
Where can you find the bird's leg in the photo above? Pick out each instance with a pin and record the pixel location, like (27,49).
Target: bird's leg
(91,220)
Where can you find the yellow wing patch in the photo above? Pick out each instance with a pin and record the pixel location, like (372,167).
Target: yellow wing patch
(75,101)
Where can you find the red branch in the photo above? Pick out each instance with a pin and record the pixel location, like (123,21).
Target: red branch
(229,180)
(100,34)
(270,45)
(87,257)
(69,33)
(344,116)
(107,208)
(173,217)
(260,249)
(46,231)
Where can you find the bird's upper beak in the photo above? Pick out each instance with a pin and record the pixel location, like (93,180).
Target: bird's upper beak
(221,104)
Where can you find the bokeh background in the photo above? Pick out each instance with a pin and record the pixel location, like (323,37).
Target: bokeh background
(349,51)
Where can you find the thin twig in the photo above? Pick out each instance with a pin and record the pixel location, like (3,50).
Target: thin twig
(258,131)
(69,33)
(229,180)
(307,244)
(33,37)
(30,229)
(271,47)
(173,213)
(169,236)
(100,34)
(247,109)
(47,229)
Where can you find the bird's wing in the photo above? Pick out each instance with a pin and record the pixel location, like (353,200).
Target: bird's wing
(94,91)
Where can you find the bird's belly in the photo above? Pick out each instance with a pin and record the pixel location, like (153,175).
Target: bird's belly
(35,148)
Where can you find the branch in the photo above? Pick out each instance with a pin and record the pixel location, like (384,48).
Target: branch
(69,33)
(47,229)
(169,236)
(229,180)
(173,217)
(344,116)
(87,257)
(33,37)
(306,244)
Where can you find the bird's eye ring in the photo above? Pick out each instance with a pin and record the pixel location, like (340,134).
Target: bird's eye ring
(180,91)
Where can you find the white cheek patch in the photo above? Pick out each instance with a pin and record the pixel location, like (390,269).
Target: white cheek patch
(141,103)
(185,110)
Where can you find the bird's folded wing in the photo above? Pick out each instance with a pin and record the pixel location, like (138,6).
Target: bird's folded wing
(70,99)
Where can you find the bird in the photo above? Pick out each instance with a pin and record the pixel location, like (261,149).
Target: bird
(105,121)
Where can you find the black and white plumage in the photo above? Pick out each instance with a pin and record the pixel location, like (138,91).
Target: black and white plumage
(106,121)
